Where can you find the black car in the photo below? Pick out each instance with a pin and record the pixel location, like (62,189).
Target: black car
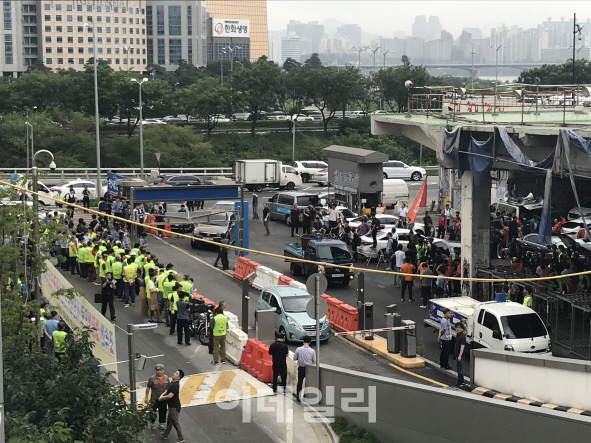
(530,243)
(181,180)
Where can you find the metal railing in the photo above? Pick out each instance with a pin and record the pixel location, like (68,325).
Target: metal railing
(90,173)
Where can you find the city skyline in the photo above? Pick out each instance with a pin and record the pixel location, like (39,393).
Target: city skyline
(483,15)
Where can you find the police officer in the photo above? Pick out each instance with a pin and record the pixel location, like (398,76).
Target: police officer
(279,351)
(158,384)
(219,325)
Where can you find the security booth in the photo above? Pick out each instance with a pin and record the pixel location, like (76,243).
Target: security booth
(356,176)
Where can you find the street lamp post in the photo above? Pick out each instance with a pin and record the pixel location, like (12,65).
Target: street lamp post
(387,50)
(96,114)
(374,54)
(496,73)
(30,139)
(576,30)
(293,128)
(472,52)
(359,51)
(231,55)
(141,126)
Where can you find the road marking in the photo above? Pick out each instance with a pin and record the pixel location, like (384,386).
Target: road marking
(194,257)
(443,385)
(190,387)
(223,383)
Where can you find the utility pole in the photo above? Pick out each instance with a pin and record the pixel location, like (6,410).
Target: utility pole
(472,52)
(576,30)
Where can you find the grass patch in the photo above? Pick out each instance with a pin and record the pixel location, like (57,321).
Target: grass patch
(351,433)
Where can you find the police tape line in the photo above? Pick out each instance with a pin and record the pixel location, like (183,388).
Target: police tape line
(371,331)
(301,260)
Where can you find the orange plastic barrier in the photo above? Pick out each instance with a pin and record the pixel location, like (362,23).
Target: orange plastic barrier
(333,310)
(325,296)
(148,220)
(346,319)
(240,269)
(166,234)
(263,365)
(246,359)
(251,266)
(284,280)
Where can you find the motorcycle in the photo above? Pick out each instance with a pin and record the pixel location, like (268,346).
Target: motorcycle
(201,315)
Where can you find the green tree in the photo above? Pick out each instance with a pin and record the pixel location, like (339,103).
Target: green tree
(292,93)
(186,74)
(561,74)
(107,89)
(290,64)
(313,62)
(256,88)
(45,91)
(365,95)
(391,83)
(207,100)
(180,146)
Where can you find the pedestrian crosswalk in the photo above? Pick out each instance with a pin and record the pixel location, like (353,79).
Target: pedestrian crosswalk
(216,387)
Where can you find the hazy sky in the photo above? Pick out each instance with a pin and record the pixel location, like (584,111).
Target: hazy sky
(386,16)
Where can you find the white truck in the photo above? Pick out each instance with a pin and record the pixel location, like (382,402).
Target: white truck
(258,174)
(500,326)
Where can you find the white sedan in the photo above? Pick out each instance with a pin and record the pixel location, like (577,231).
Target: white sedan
(320,177)
(385,219)
(78,188)
(396,169)
(571,227)
(367,242)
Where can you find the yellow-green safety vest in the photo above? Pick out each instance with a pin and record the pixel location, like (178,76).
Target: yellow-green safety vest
(186,284)
(174,297)
(117,267)
(168,287)
(149,265)
(59,341)
(526,300)
(103,268)
(129,272)
(82,254)
(72,248)
(221,325)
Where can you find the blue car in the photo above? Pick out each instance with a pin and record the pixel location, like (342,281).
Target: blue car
(291,318)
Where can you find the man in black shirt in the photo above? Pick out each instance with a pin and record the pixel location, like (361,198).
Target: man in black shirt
(375,226)
(427,219)
(513,228)
(459,351)
(279,352)
(266,214)
(108,291)
(171,396)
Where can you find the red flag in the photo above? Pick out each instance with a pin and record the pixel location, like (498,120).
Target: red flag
(420,200)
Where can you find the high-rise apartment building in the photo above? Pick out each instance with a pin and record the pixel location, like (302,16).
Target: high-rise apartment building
(253,10)
(176,30)
(291,47)
(350,32)
(68,29)
(310,33)
(19,45)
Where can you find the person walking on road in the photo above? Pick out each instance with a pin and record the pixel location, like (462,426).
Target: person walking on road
(171,396)
(399,257)
(304,356)
(108,291)
(255,206)
(279,351)
(158,384)
(219,325)
(444,339)
(266,214)
(407,280)
(459,352)
(182,319)
(295,219)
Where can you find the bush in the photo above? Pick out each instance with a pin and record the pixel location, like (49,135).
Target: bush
(351,433)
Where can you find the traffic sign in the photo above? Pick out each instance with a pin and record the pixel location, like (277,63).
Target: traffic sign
(311,283)
(322,308)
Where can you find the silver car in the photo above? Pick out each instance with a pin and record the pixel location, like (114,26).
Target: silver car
(213,227)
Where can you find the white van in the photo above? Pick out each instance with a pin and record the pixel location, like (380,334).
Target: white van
(394,189)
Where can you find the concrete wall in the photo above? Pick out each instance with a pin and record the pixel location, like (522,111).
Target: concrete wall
(411,413)
(559,381)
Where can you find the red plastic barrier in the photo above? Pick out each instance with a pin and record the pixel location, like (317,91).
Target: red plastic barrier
(284,280)
(347,318)
(251,266)
(325,296)
(246,359)
(333,310)
(166,234)
(240,269)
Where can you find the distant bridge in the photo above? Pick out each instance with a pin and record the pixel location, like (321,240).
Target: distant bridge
(463,66)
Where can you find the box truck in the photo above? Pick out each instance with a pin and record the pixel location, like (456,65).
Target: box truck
(256,175)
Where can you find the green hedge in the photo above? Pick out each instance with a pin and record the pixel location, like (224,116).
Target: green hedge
(351,433)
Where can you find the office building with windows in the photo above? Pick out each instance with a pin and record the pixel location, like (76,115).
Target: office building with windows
(176,30)
(255,11)
(19,45)
(67,37)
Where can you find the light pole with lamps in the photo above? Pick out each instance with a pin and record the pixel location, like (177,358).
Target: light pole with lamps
(30,138)
(472,52)
(385,52)
(133,80)
(293,128)
(96,114)
(374,54)
(231,55)
(576,30)
(359,50)
(496,73)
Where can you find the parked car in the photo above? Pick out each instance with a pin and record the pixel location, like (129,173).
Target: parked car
(530,243)
(291,318)
(394,189)
(396,169)
(281,204)
(574,213)
(301,118)
(380,112)
(367,241)
(223,205)
(175,119)
(78,188)
(527,208)
(214,226)
(446,245)
(308,167)
(320,177)
(175,208)
(385,219)
(222,119)
(571,228)
(153,121)
(181,180)
(344,213)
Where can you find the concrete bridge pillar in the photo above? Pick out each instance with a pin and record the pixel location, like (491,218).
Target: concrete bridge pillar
(475,238)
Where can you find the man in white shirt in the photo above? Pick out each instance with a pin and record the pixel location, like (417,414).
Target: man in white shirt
(402,211)
(399,260)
